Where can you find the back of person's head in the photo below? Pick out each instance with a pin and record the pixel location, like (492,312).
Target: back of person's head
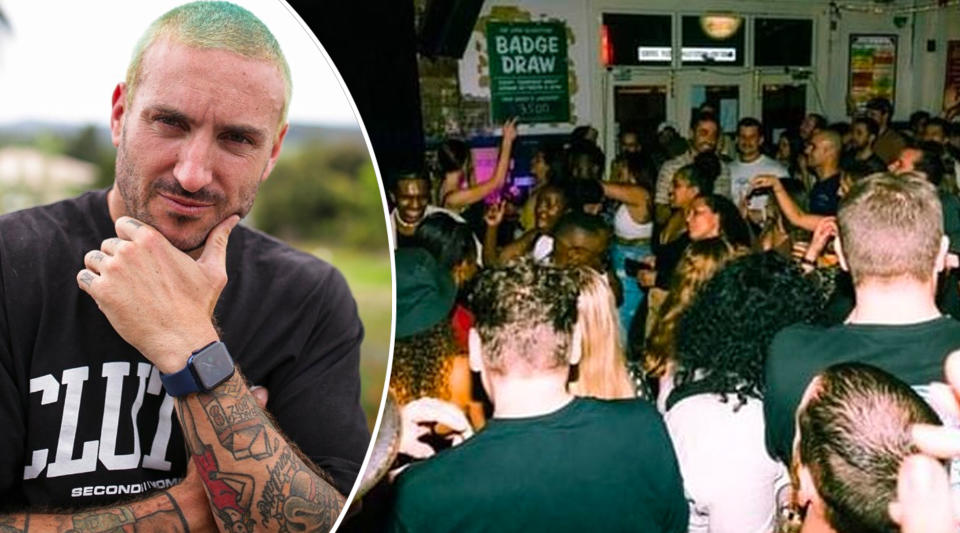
(699,262)
(423,344)
(854,431)
(422,362)
(891,227)
(733,227)
(638,169)
(601,372)
(453,155)
(212,25)
(918,117)
(524,315)
(723,337)
(584,192)
(447,239)
(703,172)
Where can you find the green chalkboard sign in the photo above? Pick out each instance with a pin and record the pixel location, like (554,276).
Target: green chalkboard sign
(528,71)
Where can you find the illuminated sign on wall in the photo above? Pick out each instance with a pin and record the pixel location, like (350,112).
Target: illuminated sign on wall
(688,54)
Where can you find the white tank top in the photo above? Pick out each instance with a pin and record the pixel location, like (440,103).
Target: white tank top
(626,228)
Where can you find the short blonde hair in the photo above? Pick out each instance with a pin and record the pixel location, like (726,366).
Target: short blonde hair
(890,227)
(213,25)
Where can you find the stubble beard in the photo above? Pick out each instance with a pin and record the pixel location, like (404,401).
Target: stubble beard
(136,194)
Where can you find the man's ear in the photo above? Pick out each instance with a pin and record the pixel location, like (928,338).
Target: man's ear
(118,112)
(275,151)
(838,247)
(941,263)
(476,350)
(576,345)
(807,491)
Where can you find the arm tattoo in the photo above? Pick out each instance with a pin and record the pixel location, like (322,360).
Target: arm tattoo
(241,427)
(294,500)
(9,524)
(105,520)
(291,494)
(230,494)
(183,519)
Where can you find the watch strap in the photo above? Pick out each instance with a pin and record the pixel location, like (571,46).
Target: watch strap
(185,380)
(180,383)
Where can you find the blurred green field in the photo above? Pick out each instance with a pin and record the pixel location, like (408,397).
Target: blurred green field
(368,273)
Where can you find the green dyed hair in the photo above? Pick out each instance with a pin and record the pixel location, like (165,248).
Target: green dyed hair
(213,25)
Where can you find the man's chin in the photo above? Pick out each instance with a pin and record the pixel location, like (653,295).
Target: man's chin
(187,237)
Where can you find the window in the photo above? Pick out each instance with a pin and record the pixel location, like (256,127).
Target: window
(782,42)
(637,39)
(699,48)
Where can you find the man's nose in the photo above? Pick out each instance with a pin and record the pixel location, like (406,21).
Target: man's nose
(194,169)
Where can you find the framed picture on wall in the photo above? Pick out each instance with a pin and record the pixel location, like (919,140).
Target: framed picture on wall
(872,69)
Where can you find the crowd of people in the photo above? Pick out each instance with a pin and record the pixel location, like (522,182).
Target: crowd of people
(719,334)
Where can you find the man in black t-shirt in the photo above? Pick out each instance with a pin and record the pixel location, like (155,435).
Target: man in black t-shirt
(864,132)
(823,157)
(100,368)
(546,461)
(892,243)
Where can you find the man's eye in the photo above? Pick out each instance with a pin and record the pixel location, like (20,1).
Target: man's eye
(168,121)
(236,138)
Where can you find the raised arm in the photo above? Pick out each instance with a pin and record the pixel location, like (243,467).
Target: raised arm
(161,301)
(628,193)
(493,216)
(454,197)
(797,216)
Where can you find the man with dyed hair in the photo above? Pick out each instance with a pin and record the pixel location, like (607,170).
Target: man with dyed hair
(175,313)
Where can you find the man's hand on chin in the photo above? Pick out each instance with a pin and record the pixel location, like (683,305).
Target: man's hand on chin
(156,297)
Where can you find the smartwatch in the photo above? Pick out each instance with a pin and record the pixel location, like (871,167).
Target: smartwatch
(207,367)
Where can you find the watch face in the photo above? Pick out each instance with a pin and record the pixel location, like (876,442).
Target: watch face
(213,365)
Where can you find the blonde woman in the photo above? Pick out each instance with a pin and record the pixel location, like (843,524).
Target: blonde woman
(602,372)
(700,261)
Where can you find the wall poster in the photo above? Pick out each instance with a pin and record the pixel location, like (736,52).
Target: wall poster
(873,69)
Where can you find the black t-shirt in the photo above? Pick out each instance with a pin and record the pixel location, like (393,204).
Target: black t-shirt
(914,353)
(85,418)
(592,465)
(824,196)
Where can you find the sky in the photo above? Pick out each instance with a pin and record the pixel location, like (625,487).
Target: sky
(61,59)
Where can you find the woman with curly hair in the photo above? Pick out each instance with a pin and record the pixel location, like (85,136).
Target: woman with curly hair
(715,412)
(697,265)
(426,359)
(602,371)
